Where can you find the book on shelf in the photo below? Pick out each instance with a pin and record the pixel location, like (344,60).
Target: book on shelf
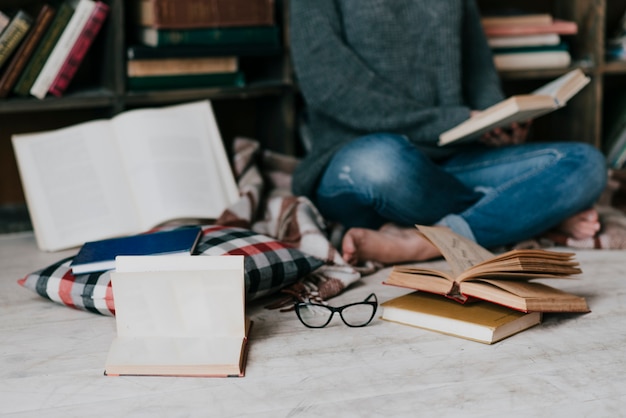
(515,18)
(43,50)
(199,51)
(4,20)
(558,26)
(532,57)
(13,34)
(26,49)
(524,40)
(504,279)
(233,36)
(179,316)
(176,66)
(95,256)
(79,50)
(519,108)
(480,321)
(615,132)
(187,14)
(186,81)
(124,175)
(62,48)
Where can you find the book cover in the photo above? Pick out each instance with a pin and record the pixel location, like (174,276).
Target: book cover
(100,255)
(252,35)
(4,20)
(184,81)
(79,49)
(524,40)
(176,66)
(26,49)
(200,51)
(519,108)
(62,48)
(179,316)
(532,57)
(480,321)
(505,279)
(13,34)
(515,18)
(558,26)
(187,14)
(43,50)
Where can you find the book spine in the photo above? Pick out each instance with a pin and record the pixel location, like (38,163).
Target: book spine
(62,48)
(4,21)
(39,57)
(259,35)
(165,82)
(79,50)
(181,66)
(13,34)
(188,14)
(197,51)
(26,49)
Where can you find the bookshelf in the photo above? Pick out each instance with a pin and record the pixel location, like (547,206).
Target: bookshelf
(263,109)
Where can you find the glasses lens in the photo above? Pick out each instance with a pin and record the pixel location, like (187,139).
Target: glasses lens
(314,315)
(359,314)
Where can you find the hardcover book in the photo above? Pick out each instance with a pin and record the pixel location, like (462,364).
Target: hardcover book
(519,108)
(179,316)
(186,14)
(100,255)
(26,49)
(505,279)
(249,35)
(200,51)
(176,66)
(13,34)
(43,50)
(481,321)
(561,27)
(125,175)
(186,81)
(79,49)
(532,57)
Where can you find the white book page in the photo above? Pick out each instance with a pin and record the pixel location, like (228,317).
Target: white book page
(176,162)
(75,187)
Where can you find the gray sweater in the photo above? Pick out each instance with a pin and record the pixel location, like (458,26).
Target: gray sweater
(412,67)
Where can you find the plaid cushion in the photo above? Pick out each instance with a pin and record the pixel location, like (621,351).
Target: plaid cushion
(269,266)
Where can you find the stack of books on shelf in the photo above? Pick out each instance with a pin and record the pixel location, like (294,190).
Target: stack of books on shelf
(198,43)
(528,41)
(40,54)
(484,297)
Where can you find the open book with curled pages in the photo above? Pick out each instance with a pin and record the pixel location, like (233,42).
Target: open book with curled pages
(504,279)
(519,108)
(179,316)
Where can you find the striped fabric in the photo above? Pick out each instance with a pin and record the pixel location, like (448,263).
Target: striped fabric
(269,266)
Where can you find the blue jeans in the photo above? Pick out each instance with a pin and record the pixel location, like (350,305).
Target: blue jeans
(495,196)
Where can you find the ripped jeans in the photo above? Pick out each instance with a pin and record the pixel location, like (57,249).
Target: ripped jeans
(495,196)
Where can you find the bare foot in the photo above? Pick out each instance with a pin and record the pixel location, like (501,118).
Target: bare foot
(388,245)
(583,225)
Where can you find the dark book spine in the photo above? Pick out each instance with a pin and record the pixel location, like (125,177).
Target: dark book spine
(257,35)
(39,57)
(13,34)
(185,81)
(198,51)
(79,50)
(26,49)
(188,14)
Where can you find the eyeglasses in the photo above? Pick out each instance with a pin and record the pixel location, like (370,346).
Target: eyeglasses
(358,314)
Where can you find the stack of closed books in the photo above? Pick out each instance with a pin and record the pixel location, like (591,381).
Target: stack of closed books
(198,43)
(40,53)
(528,41)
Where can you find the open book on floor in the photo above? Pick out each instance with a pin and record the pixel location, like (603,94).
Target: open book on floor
(504,279)
(125,175)
(179,316)
(480,321)
(519,108)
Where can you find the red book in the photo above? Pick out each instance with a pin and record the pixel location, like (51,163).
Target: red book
(79,50)
(561,27)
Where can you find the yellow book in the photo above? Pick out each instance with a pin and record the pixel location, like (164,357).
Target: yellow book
(481,321)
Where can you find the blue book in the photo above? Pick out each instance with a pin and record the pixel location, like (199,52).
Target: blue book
(95,256)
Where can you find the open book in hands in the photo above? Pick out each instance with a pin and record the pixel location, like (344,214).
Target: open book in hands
(519,108)
(504,279)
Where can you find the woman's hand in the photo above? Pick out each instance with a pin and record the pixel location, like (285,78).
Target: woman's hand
(516,133)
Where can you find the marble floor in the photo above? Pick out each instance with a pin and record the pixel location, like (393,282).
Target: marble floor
(52,358)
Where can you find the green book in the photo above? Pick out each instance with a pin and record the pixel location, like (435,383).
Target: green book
(185,81)
(249,35)
(39,57)
(13,34)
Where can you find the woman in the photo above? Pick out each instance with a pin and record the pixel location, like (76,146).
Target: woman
(381,80)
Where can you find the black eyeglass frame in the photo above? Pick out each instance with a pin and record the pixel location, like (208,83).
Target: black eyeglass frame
(339,310)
